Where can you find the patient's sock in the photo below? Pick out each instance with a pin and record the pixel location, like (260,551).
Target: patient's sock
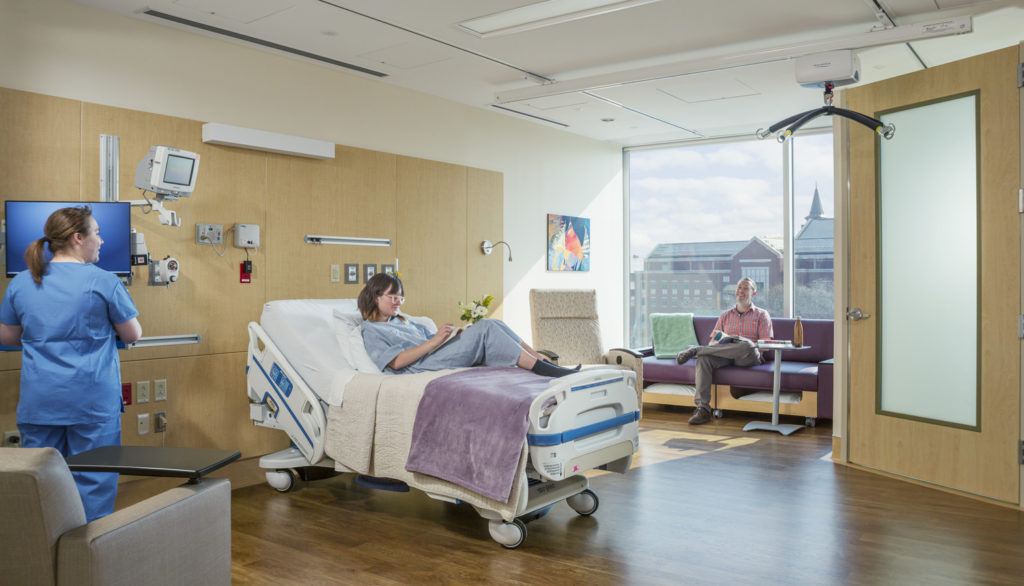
(547,369)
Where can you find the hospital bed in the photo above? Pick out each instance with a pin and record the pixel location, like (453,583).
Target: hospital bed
(308,375)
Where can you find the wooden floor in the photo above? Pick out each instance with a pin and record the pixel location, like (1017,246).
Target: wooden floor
(703,505)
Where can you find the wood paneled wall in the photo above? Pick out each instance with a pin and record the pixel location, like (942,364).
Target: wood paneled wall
(435,213)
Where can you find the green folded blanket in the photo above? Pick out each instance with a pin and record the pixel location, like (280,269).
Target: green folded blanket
(673,332)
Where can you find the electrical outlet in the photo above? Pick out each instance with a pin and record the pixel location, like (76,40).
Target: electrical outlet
(160,389)
(12,439)
(159,422)
(143,423)
(142,391)
(126,393)
(335,273)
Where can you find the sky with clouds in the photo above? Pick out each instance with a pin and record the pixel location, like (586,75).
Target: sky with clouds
(726,191)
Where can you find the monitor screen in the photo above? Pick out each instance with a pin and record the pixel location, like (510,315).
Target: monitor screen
(178,170)
(26,219)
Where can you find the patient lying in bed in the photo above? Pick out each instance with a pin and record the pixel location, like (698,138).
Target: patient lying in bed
(397,345)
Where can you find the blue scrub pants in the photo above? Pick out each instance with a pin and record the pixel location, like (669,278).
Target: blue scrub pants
(97,489)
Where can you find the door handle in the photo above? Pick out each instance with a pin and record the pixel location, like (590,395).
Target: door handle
(854,314)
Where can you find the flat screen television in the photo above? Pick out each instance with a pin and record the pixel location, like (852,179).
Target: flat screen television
(25,221)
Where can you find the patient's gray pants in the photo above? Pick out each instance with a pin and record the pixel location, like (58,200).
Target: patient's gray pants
(741,353)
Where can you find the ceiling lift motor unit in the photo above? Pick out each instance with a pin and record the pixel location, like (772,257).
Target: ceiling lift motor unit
(837,68)
(826,70)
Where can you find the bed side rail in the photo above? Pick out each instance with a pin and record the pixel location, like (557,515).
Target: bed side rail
(279,398)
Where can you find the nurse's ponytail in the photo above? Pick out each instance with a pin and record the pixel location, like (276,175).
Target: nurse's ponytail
(60,228)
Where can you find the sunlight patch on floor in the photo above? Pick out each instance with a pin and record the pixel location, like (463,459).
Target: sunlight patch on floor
(663,445)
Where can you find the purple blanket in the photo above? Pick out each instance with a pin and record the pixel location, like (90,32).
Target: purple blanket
(470,427)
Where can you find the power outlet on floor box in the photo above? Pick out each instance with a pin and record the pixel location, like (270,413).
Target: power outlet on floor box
(12,439)
(143,423)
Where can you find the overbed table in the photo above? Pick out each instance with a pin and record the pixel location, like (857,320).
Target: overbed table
(191,463)
(783,428)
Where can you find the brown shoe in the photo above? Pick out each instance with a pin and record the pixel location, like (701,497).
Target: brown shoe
(701,415)
(686,354)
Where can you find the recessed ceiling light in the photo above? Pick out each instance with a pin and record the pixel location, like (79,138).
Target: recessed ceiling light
(542,14)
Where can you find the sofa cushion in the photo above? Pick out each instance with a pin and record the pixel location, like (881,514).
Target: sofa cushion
(802,376)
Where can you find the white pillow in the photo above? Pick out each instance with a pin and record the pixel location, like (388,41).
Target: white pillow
(350,338)
(350,341)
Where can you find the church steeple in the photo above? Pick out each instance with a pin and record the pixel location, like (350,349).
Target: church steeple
(816,209)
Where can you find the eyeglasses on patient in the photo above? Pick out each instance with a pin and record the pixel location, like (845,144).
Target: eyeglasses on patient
(396,298)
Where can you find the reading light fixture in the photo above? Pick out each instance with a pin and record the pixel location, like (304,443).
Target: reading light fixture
(348,240)
(542,14)
(487,247)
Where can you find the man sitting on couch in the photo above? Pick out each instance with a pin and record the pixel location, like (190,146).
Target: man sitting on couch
(733,341)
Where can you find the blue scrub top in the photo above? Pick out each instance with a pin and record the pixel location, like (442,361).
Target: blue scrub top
(70,372)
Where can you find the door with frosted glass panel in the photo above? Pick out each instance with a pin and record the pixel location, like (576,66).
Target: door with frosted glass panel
(935,264)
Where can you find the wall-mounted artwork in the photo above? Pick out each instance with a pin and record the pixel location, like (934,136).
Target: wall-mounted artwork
(568,243)
(368,272)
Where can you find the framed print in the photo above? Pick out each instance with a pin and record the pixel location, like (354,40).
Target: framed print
(388,269)
(351,273)
(568,243)
(368,272)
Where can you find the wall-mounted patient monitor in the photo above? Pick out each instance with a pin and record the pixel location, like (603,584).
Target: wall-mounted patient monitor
(168,172)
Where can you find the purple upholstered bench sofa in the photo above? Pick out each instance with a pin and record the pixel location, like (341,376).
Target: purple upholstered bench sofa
(806,381)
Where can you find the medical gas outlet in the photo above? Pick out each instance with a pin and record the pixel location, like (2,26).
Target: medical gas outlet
(163,272)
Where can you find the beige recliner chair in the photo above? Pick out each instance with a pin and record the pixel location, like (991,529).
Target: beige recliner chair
(566,327)
(180,536)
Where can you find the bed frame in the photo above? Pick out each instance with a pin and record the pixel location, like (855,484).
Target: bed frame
(584,421)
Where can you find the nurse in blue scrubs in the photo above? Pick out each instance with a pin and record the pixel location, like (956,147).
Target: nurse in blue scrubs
(64,314)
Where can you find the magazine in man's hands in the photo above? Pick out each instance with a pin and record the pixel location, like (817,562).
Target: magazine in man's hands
(719,337)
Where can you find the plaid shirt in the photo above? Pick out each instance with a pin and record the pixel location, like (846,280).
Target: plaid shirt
(755,323)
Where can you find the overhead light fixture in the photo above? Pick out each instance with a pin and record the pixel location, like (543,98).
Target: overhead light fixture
(271,142)
(348,240)
(542,14)
(900,34)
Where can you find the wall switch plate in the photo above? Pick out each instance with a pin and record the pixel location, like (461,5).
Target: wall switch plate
(143,423)
(335,273)
(142,391)
(210,234)
(160,389)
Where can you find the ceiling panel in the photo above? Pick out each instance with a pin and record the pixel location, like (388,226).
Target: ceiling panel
(418,46)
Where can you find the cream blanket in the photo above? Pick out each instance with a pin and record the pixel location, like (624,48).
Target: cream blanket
(371,433)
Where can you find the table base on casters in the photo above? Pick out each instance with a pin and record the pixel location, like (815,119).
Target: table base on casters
(783,428)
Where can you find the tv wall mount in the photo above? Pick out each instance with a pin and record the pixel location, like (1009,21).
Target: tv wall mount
(795,122)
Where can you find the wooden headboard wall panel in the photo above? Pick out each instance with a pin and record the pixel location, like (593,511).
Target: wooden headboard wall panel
(435,213)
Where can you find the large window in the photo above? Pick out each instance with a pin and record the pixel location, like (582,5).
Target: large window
(703,216)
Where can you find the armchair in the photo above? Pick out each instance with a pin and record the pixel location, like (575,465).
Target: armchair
(566,328)
(180,536)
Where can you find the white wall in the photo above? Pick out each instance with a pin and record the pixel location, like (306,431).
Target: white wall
(60,48)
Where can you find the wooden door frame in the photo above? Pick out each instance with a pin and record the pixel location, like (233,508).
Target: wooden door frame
(841,380)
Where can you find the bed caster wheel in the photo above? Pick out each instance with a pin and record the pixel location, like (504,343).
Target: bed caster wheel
(509,535)
(717,413)
(584,503)
(810,422)
(281,480)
